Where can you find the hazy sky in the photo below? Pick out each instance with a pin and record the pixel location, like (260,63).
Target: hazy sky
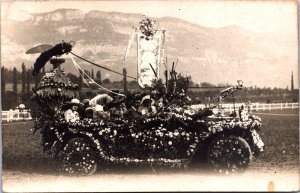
(270,16)
(277,17)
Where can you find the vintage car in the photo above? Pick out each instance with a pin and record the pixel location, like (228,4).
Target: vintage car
(173,136)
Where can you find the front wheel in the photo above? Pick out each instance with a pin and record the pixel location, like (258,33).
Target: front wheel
(229,154)
(78,158)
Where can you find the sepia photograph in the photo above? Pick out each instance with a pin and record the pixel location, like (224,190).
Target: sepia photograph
(132,95)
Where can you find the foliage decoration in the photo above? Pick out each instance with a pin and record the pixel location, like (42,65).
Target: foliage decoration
(147,28)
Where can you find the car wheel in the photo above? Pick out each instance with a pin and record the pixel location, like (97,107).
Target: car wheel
(229,154)
(78,158)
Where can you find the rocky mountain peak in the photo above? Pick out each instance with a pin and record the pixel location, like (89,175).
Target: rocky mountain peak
(57,15)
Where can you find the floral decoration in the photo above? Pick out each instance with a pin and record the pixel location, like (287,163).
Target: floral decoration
(170,137)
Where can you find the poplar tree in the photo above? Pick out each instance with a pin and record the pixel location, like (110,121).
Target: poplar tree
(23,78)
(2,80)
(15,81)
(92,74)
(98,76)
(28,80)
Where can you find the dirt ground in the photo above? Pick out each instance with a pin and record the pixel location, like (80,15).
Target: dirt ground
(27,168)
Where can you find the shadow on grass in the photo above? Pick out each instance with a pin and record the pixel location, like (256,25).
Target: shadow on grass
(49,166)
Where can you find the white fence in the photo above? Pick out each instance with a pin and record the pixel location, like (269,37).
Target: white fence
(15,115)
(255,106)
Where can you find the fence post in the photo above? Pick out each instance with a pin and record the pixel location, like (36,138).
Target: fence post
(8,116)
(269,107)
(280,106)
(292,105)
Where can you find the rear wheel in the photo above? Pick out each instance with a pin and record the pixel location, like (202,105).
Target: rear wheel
(78,158)
(229,154)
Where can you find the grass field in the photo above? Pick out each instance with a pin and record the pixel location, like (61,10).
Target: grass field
(22,151)
(281,137)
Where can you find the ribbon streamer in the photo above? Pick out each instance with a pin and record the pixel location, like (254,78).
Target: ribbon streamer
(128,47)
(105,68)
(79,68)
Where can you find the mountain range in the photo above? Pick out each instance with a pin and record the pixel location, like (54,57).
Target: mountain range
(216,55)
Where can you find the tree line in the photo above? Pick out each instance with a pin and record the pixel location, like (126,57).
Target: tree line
(16,77)
(25,78)
(23,81)
(205,93)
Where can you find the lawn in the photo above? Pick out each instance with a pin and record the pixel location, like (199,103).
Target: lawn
(22,151)
(281,137)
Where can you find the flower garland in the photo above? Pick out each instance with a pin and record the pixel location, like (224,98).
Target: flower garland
(216,124)
(55,84)
(156,140)
(170,137)
(235,148)
(78,158)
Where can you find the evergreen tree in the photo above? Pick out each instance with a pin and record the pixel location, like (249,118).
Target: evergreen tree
(2,81)
(92,74)
(292,82)
(28,80)
(15,81)
(23,78)
(98,76)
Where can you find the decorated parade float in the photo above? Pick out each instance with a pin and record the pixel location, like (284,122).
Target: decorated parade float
(157,127)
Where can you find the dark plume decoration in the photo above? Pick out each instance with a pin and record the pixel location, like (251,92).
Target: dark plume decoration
(57,50)
(39,49)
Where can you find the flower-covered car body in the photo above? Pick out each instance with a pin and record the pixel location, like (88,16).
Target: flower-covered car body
(173,136)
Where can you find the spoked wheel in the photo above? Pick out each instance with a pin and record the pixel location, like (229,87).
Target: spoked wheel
(229,154)
(78,158)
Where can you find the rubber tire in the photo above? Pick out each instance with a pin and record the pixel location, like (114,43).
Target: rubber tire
(229,154)
(76,151)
